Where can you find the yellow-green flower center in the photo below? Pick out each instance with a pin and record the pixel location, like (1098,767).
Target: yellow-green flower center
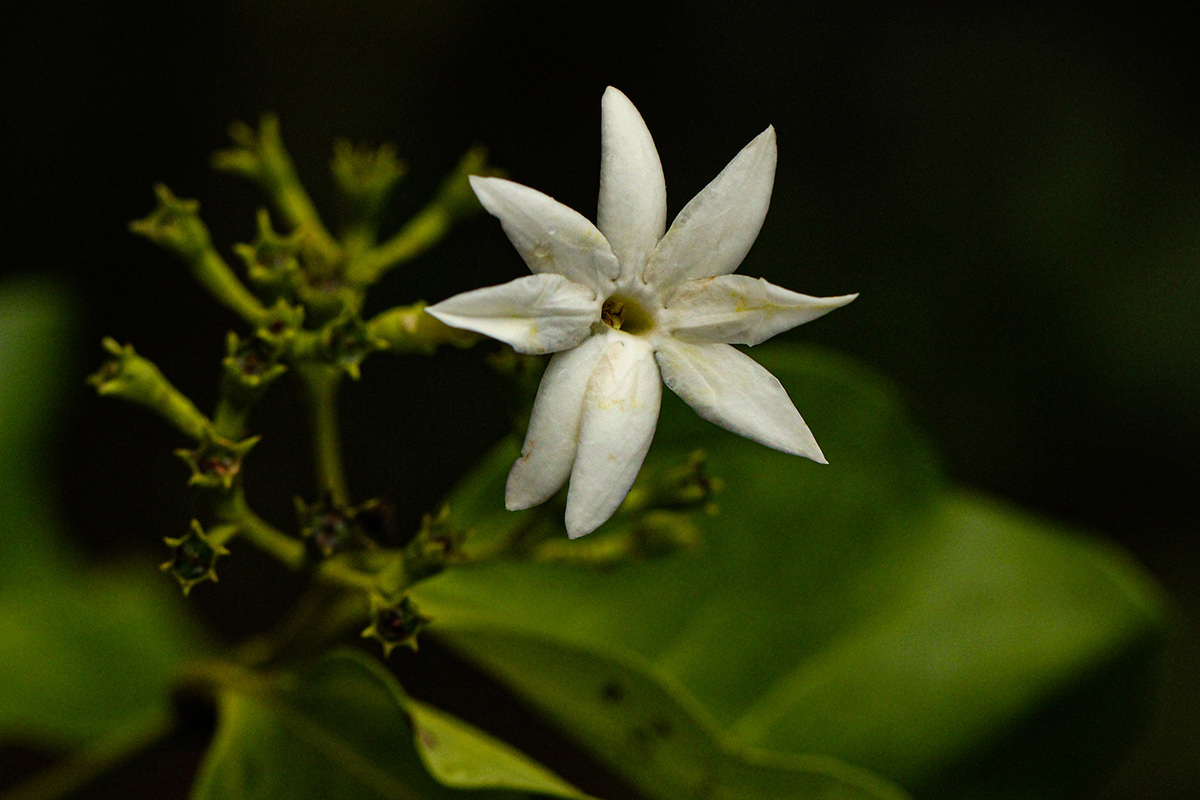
(626,314)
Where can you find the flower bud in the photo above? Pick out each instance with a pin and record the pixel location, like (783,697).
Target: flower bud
(408,329)
(365,177)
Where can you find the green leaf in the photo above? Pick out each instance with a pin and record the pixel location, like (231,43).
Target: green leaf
(862,611)
(343,728)
(33,334)
(86,652)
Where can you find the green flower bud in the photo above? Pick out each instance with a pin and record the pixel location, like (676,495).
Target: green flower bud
(408,329)
(365,177)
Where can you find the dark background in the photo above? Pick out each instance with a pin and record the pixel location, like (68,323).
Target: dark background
(1015,193)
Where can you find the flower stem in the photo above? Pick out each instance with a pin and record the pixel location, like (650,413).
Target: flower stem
(262,534)
(322,383)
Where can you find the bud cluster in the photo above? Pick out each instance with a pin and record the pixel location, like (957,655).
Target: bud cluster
(302,295)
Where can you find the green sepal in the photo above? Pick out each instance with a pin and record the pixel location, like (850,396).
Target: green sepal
(216,461)
(131,377)
(252,364)
(194,556)
(272,259)
(282,322)
(347,341)
(329,529)
(439,542)
(395,624)
(174,224)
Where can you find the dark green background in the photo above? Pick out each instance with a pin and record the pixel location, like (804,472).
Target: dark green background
(1015,192)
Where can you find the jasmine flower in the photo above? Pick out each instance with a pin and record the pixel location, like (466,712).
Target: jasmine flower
(625,308)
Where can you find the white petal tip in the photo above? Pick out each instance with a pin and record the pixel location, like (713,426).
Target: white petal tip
(517,497)
(576,531)
(436,314)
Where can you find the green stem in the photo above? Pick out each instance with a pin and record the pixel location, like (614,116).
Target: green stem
(215,275)
(262,534)
(229,420)
(93,761)
(322,383)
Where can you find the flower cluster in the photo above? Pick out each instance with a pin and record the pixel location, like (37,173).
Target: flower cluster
(626,305)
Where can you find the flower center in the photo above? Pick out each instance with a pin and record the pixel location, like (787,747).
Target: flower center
(626,314)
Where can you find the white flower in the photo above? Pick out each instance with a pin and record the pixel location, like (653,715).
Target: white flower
(626,308)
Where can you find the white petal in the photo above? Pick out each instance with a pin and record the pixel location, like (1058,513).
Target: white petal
(729,388)
(620,412)
(715,230)
(633,196)
(550,236)
(535,314)
(550,445)
(741,310)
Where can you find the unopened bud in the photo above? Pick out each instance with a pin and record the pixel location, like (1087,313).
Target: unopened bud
(365,177)
(408,329)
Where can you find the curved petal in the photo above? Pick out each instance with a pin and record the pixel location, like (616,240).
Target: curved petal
(729,388)
(715,230)
(741,310)
(620,412)
(633,196)
(553,436)
(550,236)
(535,314)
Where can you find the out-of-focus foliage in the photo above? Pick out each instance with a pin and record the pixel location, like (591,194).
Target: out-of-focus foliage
(864,610)
(343,728)
(84,651)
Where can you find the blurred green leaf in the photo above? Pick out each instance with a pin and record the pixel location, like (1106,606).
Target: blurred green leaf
(86,651)
(343,728)
(860,611)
